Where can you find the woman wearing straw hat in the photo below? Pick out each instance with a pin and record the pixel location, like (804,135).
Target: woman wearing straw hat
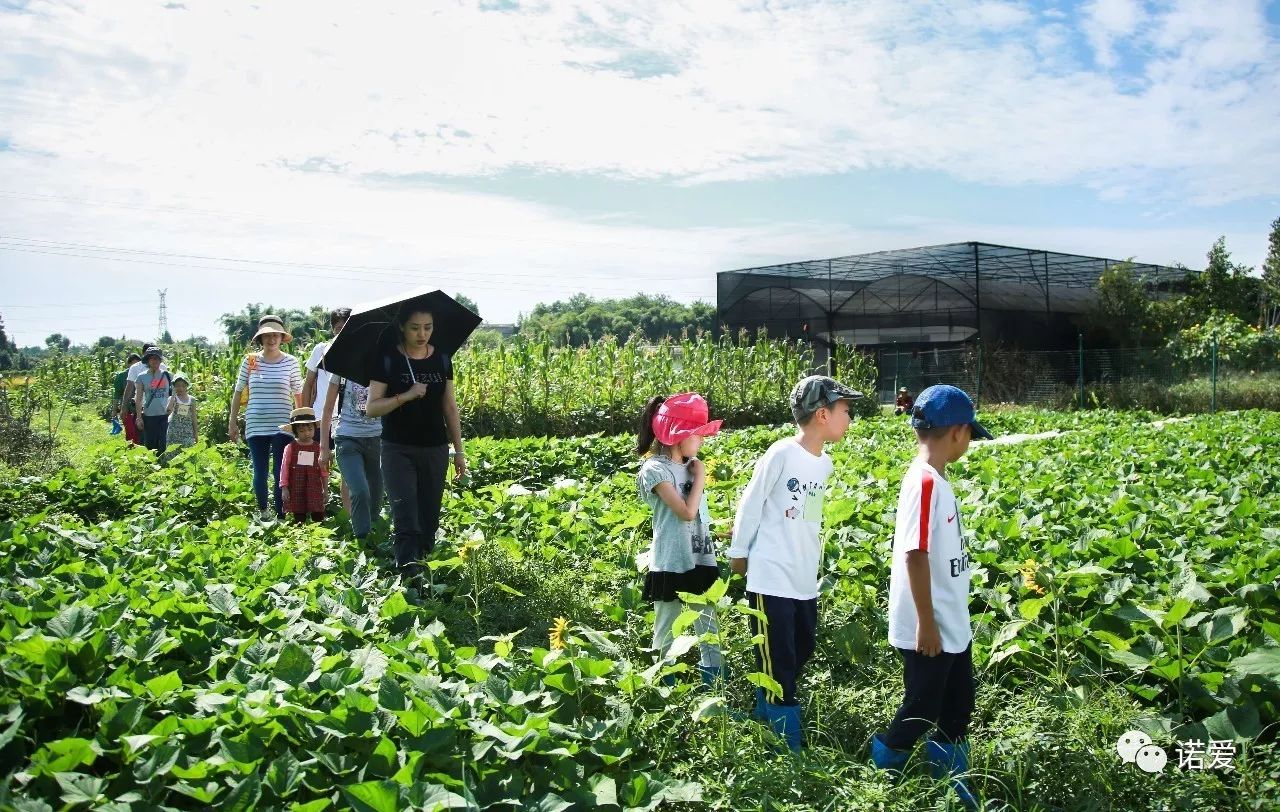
(273,379)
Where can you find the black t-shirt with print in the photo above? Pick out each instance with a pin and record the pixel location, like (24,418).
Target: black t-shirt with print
(417,422)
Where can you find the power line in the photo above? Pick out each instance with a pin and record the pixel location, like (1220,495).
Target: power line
(470,282)
(62,245)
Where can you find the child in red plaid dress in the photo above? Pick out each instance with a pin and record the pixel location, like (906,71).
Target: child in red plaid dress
(304,485)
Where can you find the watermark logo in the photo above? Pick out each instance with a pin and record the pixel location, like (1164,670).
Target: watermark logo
(1136,747)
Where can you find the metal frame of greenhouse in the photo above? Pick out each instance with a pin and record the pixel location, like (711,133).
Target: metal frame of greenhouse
(927,297)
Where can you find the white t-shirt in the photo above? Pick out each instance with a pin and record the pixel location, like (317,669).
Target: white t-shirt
(779,521)
(929,519)
(322,380)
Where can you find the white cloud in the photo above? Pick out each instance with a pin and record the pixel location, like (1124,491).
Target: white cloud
(1106,21)
(309,131)
(688,91)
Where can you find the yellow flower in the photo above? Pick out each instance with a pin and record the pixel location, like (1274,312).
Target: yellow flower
(558,631)
(1028,570)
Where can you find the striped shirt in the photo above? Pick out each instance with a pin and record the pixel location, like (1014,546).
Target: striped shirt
(272,387)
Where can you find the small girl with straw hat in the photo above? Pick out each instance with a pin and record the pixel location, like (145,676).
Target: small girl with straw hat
(304,485)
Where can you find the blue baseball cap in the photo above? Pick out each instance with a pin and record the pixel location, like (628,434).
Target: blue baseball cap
(943,405)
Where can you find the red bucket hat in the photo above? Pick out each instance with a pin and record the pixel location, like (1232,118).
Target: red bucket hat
(682,416)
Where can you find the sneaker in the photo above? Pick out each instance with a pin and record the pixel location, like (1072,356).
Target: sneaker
(267,515)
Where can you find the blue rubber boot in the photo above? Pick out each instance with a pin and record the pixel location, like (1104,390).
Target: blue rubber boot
(952,760)
(759,712)
(667,680)
(886,758)
(786,724)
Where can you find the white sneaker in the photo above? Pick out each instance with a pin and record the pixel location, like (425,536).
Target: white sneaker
(267,515)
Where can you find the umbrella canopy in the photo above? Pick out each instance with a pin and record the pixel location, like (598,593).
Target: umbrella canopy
(374,326)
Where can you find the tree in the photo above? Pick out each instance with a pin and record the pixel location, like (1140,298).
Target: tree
(1269,300)
(1224,287)
(1123,308)
(466,302)
(305,326)
(57,341)
(166,338)
(582,319)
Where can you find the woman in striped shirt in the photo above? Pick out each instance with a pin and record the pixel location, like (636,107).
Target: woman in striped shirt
(274,380)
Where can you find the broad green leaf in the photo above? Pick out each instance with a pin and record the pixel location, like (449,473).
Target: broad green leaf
(284,775)
(1262,662)
(164,684)
(1238,723)
(1030,608)
(390,696)
(717,590)
(683,621)
(245,795)
(80,789)
(374,796)
(1225,624)
(64,755)
(223,601)
(680,646)
(768,683)
(294,665)
(72,622)
(394,606)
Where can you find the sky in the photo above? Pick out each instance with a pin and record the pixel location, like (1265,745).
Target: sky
(317,152)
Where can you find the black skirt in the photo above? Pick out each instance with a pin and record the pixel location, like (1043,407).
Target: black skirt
(663,586)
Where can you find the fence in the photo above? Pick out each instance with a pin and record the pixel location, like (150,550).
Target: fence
(1085,377)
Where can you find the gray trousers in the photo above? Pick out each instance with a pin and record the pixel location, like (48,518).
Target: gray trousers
(359,460)
(414,478)
(664,617)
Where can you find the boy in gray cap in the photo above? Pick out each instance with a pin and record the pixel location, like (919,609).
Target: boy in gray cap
(777,544)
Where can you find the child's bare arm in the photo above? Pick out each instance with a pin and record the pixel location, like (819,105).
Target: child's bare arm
(686,509)
(928,637)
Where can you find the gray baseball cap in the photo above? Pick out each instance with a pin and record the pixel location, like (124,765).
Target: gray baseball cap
(816,391)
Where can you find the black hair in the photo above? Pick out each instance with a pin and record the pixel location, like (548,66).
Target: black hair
(339,314)
(133,356)
(645,441)
(409,311)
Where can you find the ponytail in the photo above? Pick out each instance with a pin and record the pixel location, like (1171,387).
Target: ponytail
(646,424)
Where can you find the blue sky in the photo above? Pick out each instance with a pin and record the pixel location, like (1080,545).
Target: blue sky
(298,153)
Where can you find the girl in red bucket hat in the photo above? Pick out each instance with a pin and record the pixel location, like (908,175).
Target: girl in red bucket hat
(683,555)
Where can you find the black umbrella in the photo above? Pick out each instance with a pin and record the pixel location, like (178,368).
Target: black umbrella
(374,326)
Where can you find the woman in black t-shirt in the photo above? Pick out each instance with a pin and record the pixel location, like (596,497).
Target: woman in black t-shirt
(411,389)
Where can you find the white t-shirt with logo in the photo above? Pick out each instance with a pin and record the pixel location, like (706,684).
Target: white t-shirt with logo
(929,519)
(779,522)
(322,381)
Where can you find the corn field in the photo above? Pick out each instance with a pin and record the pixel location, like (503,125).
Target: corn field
(526,387)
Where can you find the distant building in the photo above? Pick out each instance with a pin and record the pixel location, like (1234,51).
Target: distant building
(927,297)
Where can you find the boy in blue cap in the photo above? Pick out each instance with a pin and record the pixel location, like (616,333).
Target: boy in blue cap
(929,597)
(777,544)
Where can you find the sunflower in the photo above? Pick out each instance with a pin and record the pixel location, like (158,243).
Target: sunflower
(558,631)
(1029,569)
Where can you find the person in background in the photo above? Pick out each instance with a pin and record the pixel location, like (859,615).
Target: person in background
(135,369)
(304,480)
(315,390)
(122,413)
(151,394)
(357,445)
(411,389)
(184,424)
(904,402)
(274,381)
